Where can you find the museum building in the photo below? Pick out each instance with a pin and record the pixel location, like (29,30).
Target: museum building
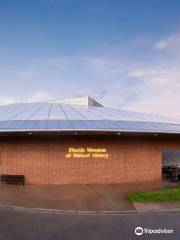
(79,141)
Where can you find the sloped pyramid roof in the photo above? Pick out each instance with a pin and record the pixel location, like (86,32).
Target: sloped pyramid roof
(56,116)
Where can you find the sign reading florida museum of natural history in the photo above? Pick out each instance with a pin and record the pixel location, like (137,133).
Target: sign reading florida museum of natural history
(87,152)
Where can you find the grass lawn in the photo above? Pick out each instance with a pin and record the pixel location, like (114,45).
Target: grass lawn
(156,196)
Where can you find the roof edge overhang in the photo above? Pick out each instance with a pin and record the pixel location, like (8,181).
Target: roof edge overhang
(90,132)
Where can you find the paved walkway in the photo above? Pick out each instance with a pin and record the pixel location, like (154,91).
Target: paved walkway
(169,206)
(111,197)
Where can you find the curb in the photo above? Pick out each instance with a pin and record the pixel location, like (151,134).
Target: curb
(109,212)
(58,211)
(173,210)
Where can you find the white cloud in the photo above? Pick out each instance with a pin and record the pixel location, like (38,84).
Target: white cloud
(158,89)
(36,96)
(164,43)
(39,96)
(6,100)
(107,66)
(145,72)
(149,86)
(164,103)
(169,41)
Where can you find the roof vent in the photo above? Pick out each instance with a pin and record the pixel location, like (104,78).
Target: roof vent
(83,101)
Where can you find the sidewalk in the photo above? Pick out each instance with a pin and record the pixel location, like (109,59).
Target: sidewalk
(66,197)
(112,197)
(170,206)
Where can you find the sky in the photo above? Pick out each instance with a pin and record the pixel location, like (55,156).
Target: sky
(123,53)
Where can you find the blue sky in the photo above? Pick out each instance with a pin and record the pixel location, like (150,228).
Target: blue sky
(124,53)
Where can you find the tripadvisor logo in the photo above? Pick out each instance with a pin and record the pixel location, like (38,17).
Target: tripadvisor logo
(139,231)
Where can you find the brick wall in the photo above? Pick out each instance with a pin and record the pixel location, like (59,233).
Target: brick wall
(43,160)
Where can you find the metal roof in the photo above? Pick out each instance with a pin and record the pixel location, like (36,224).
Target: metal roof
(59,117)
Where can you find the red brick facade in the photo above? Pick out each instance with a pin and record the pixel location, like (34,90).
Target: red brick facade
(43,161)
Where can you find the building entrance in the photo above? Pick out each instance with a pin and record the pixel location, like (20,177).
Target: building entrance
(171,165)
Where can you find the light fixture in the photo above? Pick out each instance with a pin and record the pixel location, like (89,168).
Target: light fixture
(118,133)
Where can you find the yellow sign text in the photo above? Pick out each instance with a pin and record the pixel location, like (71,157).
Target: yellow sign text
(88,152)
